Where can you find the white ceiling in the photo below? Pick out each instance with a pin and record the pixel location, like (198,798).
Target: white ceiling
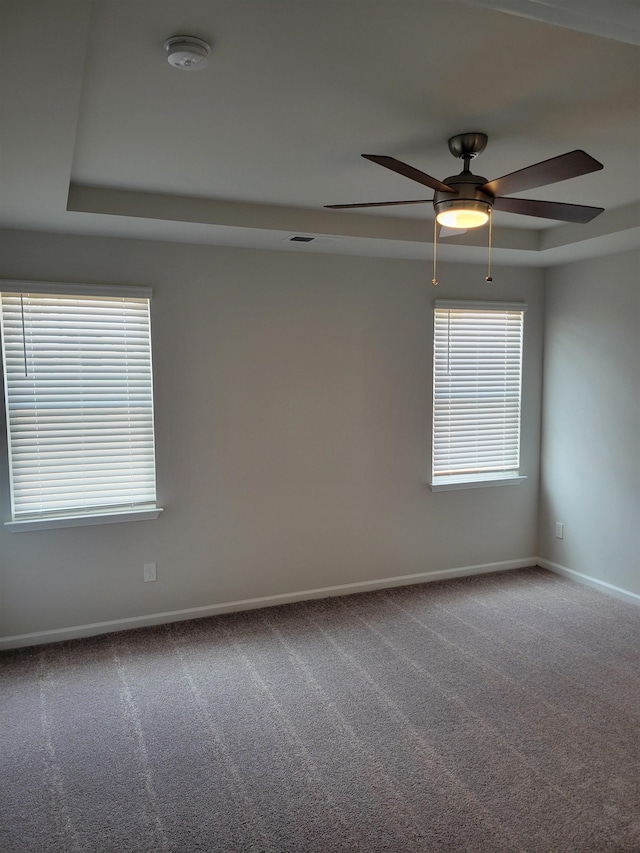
(99,135)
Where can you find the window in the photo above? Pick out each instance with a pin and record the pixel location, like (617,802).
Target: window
(79,404)
(477,378)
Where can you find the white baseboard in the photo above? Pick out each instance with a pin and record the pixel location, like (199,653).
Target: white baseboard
(603,586)
(73,632)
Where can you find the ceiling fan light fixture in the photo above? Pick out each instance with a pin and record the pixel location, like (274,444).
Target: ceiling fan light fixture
(458,213)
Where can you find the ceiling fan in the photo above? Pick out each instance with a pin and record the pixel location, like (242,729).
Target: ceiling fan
(466,200)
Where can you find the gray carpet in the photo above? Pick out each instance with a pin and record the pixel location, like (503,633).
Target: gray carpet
(496,713)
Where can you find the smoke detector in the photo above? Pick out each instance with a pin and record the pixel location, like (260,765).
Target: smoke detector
(187,53)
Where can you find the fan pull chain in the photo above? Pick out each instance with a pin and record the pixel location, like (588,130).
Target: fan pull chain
(434,280)
(488,277)
(24,336)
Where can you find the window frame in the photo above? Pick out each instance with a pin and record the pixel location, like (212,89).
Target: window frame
(481,479)
(78,515)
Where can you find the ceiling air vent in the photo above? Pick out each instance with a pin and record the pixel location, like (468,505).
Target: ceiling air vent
(297,238)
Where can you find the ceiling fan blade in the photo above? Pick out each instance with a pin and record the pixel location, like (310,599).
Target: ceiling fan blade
(378,204)
(409,172)
(569,165)
(548,209)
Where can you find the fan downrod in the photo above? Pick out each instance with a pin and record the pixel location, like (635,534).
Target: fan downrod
(468,145)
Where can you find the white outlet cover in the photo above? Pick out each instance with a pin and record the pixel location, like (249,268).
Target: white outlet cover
(149,572)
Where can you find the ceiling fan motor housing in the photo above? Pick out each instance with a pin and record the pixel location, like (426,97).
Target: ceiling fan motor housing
(467,186)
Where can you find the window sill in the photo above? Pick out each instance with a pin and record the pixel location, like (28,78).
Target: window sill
(50,522)
(447,484)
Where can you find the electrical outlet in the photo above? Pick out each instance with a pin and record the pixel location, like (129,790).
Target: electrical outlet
(559,530)
(149,572)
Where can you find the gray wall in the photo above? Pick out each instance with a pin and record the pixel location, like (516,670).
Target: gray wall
(590,472)
(293,433)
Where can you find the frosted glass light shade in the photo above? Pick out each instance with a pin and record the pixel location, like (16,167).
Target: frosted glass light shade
(463,218)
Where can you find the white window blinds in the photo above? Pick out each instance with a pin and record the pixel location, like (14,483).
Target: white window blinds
(476,389)
(79,400)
